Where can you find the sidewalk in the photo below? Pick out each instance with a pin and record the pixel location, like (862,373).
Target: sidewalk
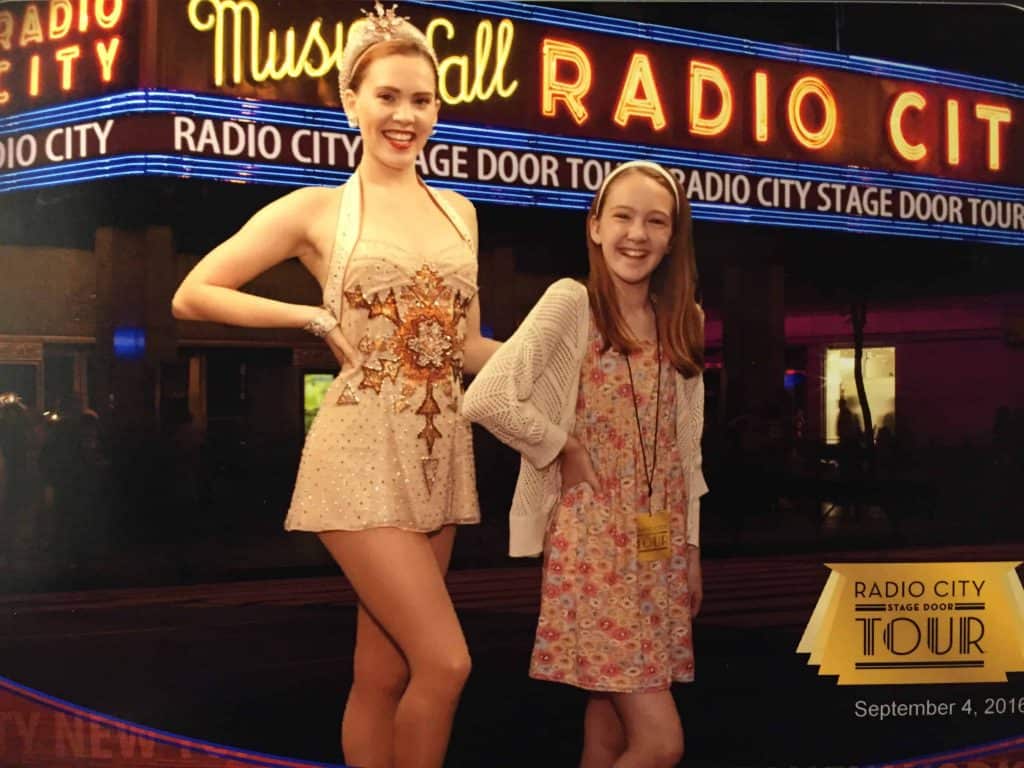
(265,664)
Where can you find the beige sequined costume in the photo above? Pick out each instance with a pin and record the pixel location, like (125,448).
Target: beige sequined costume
(388,446)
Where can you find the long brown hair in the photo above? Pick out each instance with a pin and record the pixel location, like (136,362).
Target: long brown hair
(673,289)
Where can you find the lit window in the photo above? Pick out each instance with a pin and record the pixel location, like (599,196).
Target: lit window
(879,382)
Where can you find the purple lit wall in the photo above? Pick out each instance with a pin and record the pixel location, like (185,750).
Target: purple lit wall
(955,362)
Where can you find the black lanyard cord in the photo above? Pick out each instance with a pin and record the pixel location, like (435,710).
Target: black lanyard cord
(648,475)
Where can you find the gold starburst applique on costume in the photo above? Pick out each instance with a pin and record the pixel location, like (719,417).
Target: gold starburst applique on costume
(429,472)
(402,402)
(460,306)
(448,389)
(348,396)
(367,345)
(387,308)
(429,409)
(431,345)
(428,285)
(375,373)
(425,346)
(356,298)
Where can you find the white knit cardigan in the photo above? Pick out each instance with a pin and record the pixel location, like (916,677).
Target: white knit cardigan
(526,396)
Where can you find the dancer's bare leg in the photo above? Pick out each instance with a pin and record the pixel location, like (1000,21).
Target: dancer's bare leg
(380,675)
(604,736)
(654,734)
(379,680)
(399,577)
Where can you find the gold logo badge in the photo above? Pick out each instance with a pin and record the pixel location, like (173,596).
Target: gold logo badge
(652,537)
(906,623)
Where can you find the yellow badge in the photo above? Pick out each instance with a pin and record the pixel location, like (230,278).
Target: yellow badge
(652,538)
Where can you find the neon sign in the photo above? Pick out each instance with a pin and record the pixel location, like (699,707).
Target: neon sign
(760,107)
(555,53)
(953,132)
(47,48)
(460,65)
(267,54)
(907,149)
(995,116)
(278,60)
(219,138)
(559,73)
(701,74)
(811,110)
(537,107)
(639,95)
(804,88)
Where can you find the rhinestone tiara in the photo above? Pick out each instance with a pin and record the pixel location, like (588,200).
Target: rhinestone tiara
(377,26)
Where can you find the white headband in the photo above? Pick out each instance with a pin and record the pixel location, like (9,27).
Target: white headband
(673,185)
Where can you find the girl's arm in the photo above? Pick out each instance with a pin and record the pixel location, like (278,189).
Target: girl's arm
(502,397)
(283,229)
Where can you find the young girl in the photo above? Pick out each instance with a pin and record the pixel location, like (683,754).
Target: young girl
(600,389)
(387,469)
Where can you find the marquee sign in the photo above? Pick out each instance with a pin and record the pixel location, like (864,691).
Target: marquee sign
(54,51)
(519,73)
(538,105)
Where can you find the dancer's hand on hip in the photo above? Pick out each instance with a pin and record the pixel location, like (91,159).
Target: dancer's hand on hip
(346,355)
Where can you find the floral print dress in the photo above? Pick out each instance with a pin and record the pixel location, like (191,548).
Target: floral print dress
(608,622)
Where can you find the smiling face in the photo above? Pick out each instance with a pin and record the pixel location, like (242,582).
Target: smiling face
(634,227)
(396,105)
